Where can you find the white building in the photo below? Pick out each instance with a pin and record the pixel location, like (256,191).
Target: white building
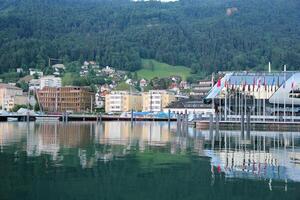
(11,96)
(59,66)
(35,71)
(108,70)
(50,81)
(34,84)
(99,100)
(156,100)
(45,81)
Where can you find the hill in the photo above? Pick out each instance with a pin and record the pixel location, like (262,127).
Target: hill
(204,35)
(152,68)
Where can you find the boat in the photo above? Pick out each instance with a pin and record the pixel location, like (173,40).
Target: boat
(12,119)
(42,118)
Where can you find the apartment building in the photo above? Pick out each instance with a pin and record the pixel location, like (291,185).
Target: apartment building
(50,81)
(45,81)
(156,100)
(201,89)
(70,98)
(123,101)
(11,96)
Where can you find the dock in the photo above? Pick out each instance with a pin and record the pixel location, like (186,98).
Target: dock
(81,117)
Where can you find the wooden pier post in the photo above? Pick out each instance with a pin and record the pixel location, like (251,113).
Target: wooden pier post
(217,124)
(131,119)
(27,117)
(211,125)
(248,125)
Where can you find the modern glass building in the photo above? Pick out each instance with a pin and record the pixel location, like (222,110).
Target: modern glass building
(258,93)
(275,87)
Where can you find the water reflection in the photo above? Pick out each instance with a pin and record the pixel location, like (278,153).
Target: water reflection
(148,160)
(257,155)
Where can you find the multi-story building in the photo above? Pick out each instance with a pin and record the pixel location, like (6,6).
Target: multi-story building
(45,81)
(156,100)
(50,81)
(201,89)
(123,101)
(34,84)
(11,96)
(70,98)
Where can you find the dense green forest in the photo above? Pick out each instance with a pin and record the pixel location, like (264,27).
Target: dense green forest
(201,34)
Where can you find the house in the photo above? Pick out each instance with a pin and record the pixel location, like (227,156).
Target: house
(34,84)
(108,70)
(183,85)
(143,83)
(19,70)
(32,72)
(58,67)
(11,96)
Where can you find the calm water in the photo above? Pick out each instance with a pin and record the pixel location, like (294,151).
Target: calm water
(115,160)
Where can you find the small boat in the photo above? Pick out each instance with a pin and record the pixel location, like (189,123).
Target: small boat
(12,119)
(48,119)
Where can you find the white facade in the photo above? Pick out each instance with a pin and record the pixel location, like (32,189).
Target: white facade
(11,96)
(155,101)
(99,100)
(116,101)
(35,71)
(34,84)
(50,81)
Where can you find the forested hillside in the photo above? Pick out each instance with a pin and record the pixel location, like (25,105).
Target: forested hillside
(205,35)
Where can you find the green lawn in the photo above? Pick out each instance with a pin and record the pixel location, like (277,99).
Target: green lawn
(158,69)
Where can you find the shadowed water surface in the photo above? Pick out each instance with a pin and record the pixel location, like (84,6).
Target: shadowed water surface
(148,160)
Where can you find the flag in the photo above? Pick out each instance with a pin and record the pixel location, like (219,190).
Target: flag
(265,83)
(219,82)
(273,82)
(258,85)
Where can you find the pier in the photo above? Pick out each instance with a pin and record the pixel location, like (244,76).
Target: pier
(80,117)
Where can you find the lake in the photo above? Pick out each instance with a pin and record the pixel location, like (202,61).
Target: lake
(145,160)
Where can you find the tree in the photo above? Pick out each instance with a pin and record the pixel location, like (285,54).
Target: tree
(17,107)
(23,85)
(36,107)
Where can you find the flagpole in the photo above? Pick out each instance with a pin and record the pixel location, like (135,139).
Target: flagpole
(284,103)
(235,96)
(264,102)
(229,102)
(293,99)
(225,104)
(274,105)
(212,86)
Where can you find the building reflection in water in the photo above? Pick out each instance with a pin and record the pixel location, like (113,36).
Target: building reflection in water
(265,155)
(94,141)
